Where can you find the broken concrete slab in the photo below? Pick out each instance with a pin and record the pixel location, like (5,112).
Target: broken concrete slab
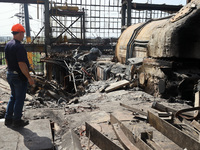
(116,85)
(36,135)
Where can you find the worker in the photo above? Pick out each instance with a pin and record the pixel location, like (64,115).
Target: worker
(18,77)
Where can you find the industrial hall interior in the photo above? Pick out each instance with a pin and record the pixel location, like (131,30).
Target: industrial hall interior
(100,74)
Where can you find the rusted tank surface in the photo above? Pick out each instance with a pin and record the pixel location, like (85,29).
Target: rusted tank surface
(177,36)
(170,52)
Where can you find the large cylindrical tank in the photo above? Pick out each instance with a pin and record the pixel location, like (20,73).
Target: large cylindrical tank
(174,37)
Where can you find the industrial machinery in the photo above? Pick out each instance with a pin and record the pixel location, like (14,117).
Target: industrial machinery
(170,52)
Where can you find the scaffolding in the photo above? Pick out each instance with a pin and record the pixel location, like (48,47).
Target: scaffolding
(103,18)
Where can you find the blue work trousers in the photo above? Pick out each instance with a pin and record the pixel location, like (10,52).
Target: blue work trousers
(18,95)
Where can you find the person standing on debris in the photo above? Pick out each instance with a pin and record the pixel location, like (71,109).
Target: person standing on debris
(17,77)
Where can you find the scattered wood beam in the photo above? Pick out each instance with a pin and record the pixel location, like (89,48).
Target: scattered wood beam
(174,134)
(195,124)
(197,102)
(134,109)
(148,138)
(116,85)
(163,108)
(122,138)
(153,145)
(99,139)
(134,139)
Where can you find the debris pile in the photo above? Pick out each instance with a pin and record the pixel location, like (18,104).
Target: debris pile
(100,101)
(157,127)
(72,74)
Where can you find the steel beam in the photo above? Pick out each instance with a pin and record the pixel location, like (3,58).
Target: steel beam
(134,109)
(123,139)
(129,12)
(163,7)
(123,16)
(55,12)
(174,134)
(65,28)
(27,24)
(47,26)
(163,108)
(99,139)
(83,26)
(134,139)
(24,1)
(28,47)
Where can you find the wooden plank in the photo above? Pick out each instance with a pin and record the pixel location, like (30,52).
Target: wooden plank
(153,145)
(122,138)
(197,102)
(116,85)
(164,114)
(134,109)
(148,138)
(134,139)
(174,134)
(196,125)
(163,108)
(99,139)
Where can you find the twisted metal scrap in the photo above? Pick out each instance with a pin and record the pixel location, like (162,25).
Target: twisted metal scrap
(196,115)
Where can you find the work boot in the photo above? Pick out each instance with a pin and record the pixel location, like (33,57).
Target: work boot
(8,122)
(20,123)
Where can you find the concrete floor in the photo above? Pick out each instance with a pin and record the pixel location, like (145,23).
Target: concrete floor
(35,136)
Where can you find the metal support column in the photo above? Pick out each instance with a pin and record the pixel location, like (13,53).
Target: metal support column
(27,24)
(47,26)
(123,19)
(129,7)
(84,30)
(28,33)
(47,38)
